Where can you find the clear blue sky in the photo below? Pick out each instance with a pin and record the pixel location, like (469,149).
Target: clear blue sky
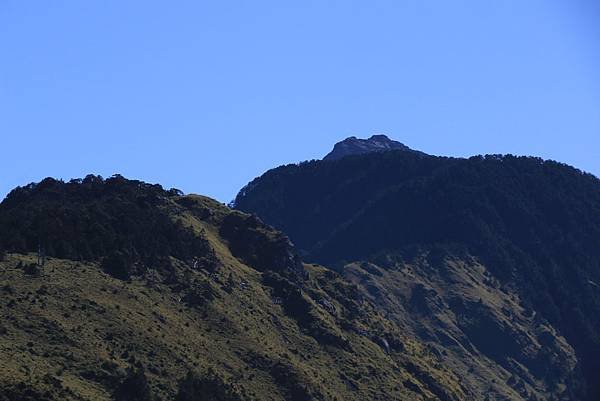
(204,96)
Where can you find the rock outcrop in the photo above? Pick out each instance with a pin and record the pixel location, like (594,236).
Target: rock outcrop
(355,146)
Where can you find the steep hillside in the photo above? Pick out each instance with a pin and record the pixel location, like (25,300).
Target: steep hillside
(149,294)
(532,226)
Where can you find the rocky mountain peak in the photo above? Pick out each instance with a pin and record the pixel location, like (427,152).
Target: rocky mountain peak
(355,146)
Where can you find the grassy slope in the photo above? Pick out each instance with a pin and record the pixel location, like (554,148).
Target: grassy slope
(475,325)
(73,331)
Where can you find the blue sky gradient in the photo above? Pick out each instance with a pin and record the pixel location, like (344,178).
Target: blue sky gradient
(204,96)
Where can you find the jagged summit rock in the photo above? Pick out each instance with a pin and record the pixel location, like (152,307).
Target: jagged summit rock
(356,146)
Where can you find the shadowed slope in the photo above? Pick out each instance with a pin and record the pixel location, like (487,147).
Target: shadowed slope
(534,225)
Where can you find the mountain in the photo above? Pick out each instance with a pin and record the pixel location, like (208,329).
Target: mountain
(115,289)
(354,146)
(400,276)
(494,261)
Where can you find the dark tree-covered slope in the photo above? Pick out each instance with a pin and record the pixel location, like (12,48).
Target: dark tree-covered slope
(93,218)
(535,224)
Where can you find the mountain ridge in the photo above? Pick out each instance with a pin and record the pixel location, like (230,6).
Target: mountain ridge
(429,278)
(233,316)
(533,224)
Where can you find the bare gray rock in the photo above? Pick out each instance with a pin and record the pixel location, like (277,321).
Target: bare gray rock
(355,146)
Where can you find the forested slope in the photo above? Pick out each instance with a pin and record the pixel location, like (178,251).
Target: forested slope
(533,224)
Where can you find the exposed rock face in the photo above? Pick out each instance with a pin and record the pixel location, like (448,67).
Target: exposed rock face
(355,146)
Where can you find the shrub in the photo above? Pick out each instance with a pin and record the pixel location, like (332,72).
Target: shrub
(31,269)
(208,387)
(117,265)
(134,387)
